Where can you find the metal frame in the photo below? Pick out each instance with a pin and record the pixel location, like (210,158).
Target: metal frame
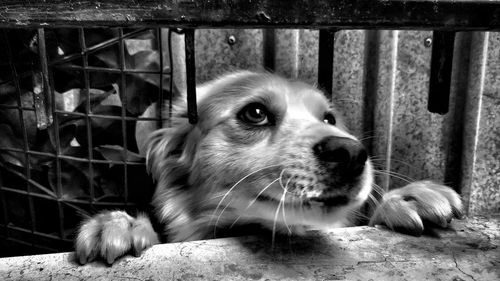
(51,122)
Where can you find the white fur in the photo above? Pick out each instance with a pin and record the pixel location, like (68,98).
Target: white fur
(221,172)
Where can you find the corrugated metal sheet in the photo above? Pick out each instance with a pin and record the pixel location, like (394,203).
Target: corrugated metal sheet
(380,83)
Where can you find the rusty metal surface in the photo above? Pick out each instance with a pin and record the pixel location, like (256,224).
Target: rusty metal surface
(414,14)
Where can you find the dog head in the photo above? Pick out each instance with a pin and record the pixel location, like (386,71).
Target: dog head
(265,150)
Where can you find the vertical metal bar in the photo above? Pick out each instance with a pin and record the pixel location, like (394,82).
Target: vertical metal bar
(4,205)
(27,158)
(453,172)
(159,103)
(190,76)
(55,128)
(441,66)
(88,110)
(325,60)
(123,97)
(269,44)
(171,70)
(4,42)
(371,65)
(42,53)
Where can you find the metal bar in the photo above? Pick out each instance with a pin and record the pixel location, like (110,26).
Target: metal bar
(107,70)
(441,67)
(123,98)
(171,86)
(96,47)
(190,76)
(66,157)
(16,107)
(371,62)
(5,215)
(159,103)
(67,201)
(353,14)
(27,159)
(325,60)
(29,181)
(46,249)
(88,110)
(269,44)
(73,113)
(45,235)
(55,130)
(46,97)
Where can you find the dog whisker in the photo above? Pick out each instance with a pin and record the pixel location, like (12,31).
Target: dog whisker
(394,175)
(281,178)
(373,201)
(229,191)
(274,223)
(383,159)
(378,190)
(285,191)
(260,193)
(367,138)
(356,215)
(281,204)
(254,200)
(281,181)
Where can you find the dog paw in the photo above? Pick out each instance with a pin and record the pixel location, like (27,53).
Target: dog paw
(423,203)
(112,234)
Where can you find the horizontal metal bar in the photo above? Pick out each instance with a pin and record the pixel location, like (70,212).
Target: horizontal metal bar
(6,106)
(112,70)
(114,117)
(42,248)
(94,48)
(387,14)
(66,200)
(37,233)
(67,157)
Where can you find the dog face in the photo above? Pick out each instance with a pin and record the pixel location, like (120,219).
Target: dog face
(265,150)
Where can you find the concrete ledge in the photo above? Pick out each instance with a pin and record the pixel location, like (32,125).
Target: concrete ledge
(469,251)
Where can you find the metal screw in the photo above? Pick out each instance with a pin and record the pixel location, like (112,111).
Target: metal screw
(231,40)
(428,42)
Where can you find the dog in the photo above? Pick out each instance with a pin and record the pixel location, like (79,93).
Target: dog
(266,151)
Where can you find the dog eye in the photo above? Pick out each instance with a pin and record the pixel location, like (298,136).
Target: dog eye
(329,119)
(255,114)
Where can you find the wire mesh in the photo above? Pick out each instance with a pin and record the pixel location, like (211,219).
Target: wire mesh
(88,158)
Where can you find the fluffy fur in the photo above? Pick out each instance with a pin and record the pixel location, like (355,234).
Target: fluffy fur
(266,151)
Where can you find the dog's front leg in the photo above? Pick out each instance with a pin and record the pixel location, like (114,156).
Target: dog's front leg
(410,208)
(112,234)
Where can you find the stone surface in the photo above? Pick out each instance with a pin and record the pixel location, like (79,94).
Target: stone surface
(467,252)
(481,147)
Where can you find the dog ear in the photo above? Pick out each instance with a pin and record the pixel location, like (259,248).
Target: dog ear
(169,149)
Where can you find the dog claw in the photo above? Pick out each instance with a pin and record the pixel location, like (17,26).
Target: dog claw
(430,204)
(110,235)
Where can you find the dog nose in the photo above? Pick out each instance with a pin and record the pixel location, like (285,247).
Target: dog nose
(348,153)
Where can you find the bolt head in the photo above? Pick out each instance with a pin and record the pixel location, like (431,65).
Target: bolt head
(428,42)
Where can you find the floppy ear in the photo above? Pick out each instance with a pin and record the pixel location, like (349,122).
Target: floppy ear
(168,150)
